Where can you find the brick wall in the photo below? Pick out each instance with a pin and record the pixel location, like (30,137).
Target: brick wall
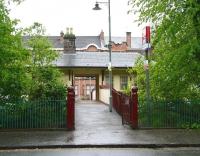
(119,47)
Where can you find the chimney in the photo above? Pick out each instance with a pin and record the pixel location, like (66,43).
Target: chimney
(69,41)
(128,39)
(101,36)
(61,37)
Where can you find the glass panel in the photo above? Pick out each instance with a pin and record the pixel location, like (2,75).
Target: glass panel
(123,82)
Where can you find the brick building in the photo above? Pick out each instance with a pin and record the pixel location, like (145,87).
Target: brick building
(84,62)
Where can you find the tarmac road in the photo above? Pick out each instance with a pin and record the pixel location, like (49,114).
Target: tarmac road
(104,152)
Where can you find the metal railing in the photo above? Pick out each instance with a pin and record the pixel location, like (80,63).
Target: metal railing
(122,105)
(117,101)
(37,114)
(169,114)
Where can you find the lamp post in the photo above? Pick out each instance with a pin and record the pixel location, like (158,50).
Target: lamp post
(110,50)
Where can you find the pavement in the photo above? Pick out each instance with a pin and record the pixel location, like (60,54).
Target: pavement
(97,127)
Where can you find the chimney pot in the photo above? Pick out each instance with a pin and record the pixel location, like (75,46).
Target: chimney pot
(71,30)
(102,35)
(61,34)
(69,41)
(67,30)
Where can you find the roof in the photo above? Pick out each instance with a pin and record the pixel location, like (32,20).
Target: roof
(84,41)
(97,59)
(81,41)
(55,40)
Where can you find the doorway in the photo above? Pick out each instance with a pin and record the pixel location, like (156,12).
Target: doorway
(85,87)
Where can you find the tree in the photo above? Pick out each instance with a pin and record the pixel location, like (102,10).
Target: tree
(139,77)
(26,72)
(13,56)
(176,42)
(46,79)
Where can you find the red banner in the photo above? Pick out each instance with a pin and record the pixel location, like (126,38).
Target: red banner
(146,35)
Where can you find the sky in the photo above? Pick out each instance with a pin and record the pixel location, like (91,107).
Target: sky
(56,15)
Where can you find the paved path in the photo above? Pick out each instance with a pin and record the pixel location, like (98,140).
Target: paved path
(95,116)
(97,127)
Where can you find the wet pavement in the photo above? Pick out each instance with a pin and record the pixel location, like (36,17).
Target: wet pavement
(97,127)
(105,152)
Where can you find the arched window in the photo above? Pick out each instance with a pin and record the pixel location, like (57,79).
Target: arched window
(92,48)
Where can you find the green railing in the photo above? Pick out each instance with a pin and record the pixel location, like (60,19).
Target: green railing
(169,114)
(39,114)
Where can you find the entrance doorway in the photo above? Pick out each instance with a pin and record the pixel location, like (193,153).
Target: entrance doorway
(85,87)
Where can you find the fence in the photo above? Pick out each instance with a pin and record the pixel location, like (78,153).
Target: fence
(169,114)
(117,101)
(126,107)
(157,113)
(43,113)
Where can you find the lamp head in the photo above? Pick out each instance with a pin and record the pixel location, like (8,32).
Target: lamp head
(97,6)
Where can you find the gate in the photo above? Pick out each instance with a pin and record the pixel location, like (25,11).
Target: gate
(126,106)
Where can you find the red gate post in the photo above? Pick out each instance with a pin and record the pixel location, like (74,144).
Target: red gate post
(70,108)
(134,111)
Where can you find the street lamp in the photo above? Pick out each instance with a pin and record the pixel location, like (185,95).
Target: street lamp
(110,50)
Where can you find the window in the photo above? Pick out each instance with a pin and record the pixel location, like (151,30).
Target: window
(123,82)
(92,48)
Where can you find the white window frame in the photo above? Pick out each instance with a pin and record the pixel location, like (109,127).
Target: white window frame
(123,82)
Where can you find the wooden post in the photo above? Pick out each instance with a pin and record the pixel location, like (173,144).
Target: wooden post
(134,109)
(70,108)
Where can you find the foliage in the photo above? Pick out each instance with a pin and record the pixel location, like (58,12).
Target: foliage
(170,114)
(7,2)
(13,56)
(176,42)
(39,46)
(46,79)
(127,90)
(46,83)
(191,126)
(26,71)
(138,71)
(15,1)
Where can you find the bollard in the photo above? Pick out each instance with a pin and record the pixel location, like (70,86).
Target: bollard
(134,108)
(70,108)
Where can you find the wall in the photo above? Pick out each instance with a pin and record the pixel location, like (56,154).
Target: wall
(94,95)
(119,47)
(116,83)
(104,95)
